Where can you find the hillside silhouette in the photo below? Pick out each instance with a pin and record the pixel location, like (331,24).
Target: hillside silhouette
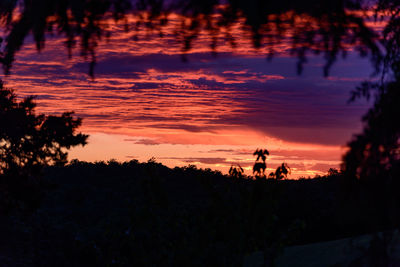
(133,213)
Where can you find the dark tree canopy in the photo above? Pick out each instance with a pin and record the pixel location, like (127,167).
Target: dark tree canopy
(328,27)
(375,153)
(28,142)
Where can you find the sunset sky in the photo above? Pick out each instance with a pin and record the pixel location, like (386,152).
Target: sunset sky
(210,111)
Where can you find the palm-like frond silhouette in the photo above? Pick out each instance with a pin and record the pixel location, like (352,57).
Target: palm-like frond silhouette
(261,154)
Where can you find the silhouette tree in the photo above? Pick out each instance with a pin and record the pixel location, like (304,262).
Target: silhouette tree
(28,142)
(375,153)
(260,165)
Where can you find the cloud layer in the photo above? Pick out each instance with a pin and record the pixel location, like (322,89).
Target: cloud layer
(144,91)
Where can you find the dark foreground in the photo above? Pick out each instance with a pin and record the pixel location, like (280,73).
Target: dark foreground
(145,214)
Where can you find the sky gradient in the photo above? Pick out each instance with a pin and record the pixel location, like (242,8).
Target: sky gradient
(208,110)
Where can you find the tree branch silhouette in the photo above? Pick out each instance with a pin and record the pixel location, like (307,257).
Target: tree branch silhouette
(310,26)
(29,142)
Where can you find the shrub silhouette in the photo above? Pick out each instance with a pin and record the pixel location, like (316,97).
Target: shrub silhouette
(333,172)
(28,142)
(236,171)
(281,172)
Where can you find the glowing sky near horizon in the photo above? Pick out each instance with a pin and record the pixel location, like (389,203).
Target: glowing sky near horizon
(210,111)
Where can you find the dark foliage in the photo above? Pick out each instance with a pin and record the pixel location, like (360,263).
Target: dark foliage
(375,154)
(327,27)
(260,165)
(281,172)
(133,213)
(28,142)
(236,172)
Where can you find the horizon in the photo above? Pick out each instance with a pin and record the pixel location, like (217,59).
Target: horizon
(212,110)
